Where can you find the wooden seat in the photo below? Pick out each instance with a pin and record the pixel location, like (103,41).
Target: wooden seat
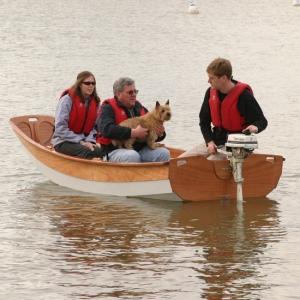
(38,128)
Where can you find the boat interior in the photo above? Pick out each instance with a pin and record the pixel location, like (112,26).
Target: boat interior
(40,128)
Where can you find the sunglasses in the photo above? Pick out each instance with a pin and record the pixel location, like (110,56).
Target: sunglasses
(135,92)
(89,83)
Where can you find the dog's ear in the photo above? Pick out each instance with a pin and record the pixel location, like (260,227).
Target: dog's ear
(157,105)
(167,103)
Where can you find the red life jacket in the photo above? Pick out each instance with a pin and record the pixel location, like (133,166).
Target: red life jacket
(81,119)
(120,116)
(225,114)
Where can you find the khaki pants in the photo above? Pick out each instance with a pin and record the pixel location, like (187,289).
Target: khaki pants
(201,149)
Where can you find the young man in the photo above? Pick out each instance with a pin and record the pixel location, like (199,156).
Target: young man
(228,107)
(122,106)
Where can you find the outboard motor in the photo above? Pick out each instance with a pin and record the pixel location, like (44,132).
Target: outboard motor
(239,146)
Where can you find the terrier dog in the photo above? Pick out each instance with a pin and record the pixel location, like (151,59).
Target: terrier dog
(151,121)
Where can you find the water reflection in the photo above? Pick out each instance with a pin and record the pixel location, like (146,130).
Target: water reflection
(108,225)
(232,243)
(212,249)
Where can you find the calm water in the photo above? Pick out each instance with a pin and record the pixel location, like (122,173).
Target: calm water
(60,244)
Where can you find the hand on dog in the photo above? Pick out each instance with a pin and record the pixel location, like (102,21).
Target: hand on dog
(160,129)
(139,132)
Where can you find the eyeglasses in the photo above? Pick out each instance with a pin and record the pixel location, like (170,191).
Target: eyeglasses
(130,93)
(89,83)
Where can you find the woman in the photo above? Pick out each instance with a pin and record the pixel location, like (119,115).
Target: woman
(75,119)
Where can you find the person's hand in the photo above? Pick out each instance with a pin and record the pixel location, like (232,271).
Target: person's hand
(159,130)
(251,129)
(89,145)
(139,132)
(211,147)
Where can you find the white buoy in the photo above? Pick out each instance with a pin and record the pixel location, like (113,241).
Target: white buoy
(296,2)
(193,9)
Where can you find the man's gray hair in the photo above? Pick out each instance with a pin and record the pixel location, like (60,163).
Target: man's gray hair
(121,83)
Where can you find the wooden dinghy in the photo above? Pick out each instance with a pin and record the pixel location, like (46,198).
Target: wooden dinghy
(93,176)
(191,178)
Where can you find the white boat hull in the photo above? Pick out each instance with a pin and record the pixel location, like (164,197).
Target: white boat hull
(155,189)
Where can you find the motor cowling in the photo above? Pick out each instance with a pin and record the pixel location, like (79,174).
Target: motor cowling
(240,140)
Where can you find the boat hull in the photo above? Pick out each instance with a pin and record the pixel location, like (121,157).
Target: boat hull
(191,178)
(214,180)
(93,176)
(149,189)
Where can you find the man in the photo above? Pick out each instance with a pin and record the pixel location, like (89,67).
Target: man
(115,110)
(229,106)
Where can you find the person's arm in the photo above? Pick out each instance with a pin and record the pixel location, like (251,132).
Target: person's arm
(139,132)
(62,115)
(92,136)
(252,112)
(161,137)
(205,119)
(161,133)
(108,128)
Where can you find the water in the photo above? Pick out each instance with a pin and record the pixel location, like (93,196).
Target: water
(60,244)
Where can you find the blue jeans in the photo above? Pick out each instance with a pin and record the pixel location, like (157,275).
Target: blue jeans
(144,155)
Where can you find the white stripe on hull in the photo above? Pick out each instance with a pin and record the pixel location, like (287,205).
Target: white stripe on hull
(156,189)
